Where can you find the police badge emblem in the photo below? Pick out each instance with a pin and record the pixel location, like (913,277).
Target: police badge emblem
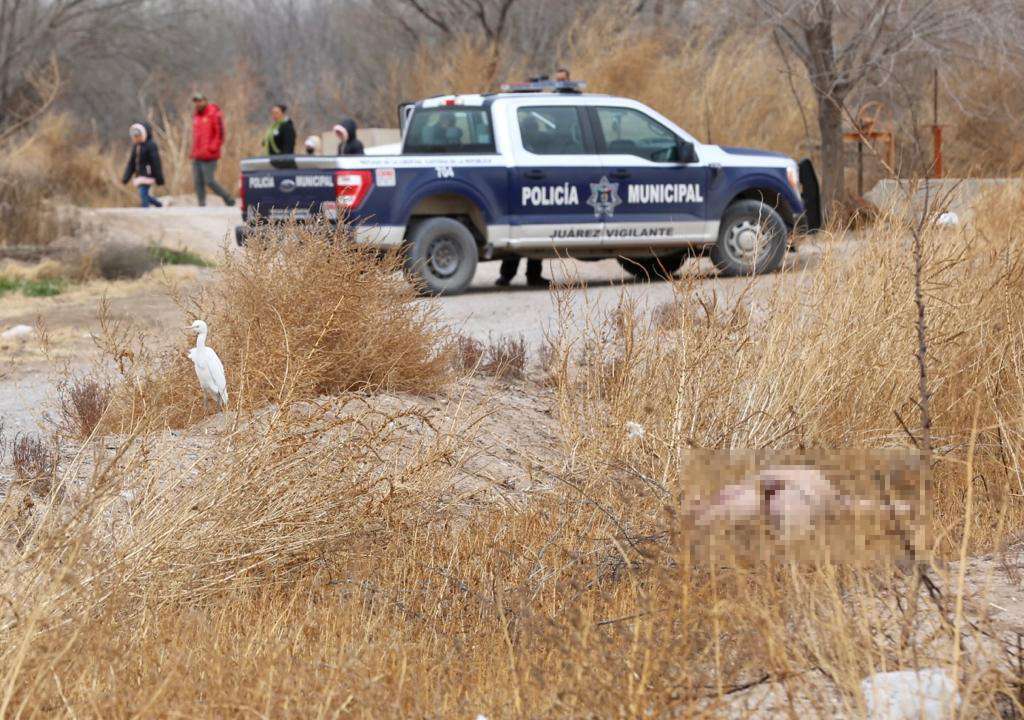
(604,198)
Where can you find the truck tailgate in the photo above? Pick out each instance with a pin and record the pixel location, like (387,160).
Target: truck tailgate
(279,194)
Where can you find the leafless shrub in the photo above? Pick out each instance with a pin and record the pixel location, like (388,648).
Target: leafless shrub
(34,460)
(505,358)
(469,353)
(118,260)
(81,403)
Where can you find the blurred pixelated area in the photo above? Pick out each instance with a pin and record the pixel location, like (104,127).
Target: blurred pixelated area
(860,507)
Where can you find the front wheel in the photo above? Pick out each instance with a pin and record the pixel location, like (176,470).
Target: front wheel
(751,239)
(652,268)
(441,256)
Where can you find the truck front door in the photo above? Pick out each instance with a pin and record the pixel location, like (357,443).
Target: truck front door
(660,195)
(556,165)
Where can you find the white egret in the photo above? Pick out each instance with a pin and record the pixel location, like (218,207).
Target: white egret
(209,368)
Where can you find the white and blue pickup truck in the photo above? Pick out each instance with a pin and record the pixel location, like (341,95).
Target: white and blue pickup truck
(542,170)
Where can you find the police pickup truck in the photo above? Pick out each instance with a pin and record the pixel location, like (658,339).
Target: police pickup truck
(543,170)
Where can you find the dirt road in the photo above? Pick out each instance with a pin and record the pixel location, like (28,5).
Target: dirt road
(485,309)
(27,378)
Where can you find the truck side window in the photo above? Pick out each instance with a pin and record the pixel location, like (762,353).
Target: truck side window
(630,132)
(450,131)
(551,130)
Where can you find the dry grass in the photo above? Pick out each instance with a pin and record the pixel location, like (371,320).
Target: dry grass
(300,313)
(308,563)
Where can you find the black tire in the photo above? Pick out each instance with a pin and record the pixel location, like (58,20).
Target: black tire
(441,256)
(752,239)
(652,268)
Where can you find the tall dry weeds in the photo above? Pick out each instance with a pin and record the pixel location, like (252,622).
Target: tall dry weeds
(312,562)
(301,312)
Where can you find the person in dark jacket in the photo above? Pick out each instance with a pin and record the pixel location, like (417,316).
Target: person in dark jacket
(144,164)
(348,143)
(280,138)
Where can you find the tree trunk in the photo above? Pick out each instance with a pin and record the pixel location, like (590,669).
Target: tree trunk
(830,125)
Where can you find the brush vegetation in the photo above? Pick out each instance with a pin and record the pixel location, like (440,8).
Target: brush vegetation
(301,312)
(301,557)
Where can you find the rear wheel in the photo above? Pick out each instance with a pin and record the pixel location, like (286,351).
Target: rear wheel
(441,256)
(652,268)
(751,239)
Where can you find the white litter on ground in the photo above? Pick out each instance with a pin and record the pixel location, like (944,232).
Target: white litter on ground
(635,430)
(18,331)
(910,695)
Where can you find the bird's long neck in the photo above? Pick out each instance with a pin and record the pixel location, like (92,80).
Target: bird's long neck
(201,341)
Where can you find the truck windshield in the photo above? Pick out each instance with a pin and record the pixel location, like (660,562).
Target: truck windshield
(450,131)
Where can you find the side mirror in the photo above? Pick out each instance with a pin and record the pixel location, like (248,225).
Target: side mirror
(685,152)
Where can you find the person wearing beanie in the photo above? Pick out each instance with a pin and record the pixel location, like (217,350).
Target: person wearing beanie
(280,138)
(312,145)
(144,164)
(348,143)
(207,141)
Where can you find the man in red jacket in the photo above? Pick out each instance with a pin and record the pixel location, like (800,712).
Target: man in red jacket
(207,139)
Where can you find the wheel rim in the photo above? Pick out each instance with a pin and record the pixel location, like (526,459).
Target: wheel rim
(748,242)
(443,257)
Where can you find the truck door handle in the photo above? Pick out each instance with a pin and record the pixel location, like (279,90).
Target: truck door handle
(620,174)
(534,174)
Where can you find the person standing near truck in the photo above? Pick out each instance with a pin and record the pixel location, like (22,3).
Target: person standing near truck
(144,164)
(348,143)
(534,267)
(280,138)
(207,140)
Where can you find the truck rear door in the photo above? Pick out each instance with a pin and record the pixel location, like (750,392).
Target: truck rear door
(556,176)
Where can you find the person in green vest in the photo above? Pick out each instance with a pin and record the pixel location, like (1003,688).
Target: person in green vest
(280,138)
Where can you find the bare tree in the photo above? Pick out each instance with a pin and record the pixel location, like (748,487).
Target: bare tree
(92,44)
(847,45)
(487,18)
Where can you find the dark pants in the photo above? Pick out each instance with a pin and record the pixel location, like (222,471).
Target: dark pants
(510,265)
(204,173)
(148,199)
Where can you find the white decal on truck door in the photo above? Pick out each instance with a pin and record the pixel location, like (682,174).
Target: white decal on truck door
(604,198)
(671,193)
(546,195)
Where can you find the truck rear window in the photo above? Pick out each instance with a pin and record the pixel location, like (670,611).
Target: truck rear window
(450,131)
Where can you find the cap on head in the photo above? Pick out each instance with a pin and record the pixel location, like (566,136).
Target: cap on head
(137,130)
(197,96)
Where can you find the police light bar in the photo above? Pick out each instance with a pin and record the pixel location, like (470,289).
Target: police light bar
(563,86)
